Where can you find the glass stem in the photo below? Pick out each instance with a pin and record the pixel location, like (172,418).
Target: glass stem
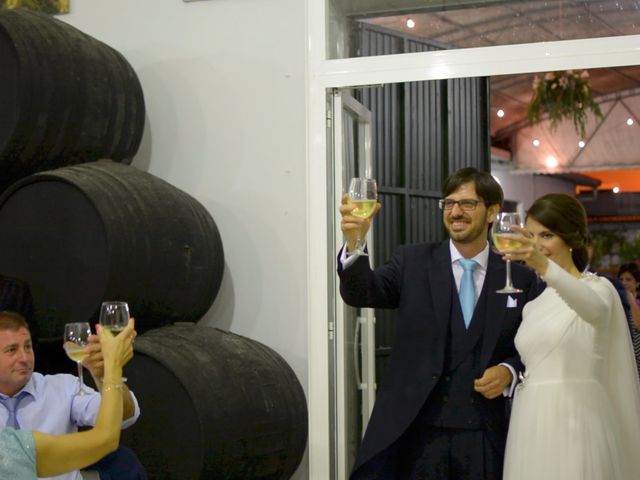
(508,282)
(80,379)
(358,243)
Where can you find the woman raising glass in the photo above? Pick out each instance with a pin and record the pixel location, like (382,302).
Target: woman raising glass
(576,413)
(28,455)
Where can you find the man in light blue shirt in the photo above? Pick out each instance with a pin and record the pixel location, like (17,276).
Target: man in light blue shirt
(47,403)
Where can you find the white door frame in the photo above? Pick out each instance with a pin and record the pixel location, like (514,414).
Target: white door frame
(347,374)
(323,74)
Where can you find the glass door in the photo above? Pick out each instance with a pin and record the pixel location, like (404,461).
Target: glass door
(354,329)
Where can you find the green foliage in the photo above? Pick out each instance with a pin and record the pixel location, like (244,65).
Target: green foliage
(561,95)
(604,242)
(629,251)
(614,244)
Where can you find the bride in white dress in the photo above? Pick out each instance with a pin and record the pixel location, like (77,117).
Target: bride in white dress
(576,414)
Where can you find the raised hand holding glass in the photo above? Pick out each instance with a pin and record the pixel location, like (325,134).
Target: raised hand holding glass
(363,193)
(114,316)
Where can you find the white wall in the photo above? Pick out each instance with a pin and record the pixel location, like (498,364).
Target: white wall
(224,85)
(526,187)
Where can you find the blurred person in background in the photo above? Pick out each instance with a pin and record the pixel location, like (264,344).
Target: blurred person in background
(629,275)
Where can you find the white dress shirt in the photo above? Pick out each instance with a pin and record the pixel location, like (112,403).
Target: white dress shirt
(479,274)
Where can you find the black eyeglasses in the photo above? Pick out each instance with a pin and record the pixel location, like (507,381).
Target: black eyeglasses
(467,204)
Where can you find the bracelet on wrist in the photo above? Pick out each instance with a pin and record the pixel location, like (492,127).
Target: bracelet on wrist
(112,386)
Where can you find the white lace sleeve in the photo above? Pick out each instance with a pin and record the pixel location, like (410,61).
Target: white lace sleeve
(590,298)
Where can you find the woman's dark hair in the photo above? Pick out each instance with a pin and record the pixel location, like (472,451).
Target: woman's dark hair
(566,217)
(631,268)
(487,187)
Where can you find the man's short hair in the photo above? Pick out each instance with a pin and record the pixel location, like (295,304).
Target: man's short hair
(12,321)
(487,187)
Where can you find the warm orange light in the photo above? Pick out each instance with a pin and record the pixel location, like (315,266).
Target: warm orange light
(626,180)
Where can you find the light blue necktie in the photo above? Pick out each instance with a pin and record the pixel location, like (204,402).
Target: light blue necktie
(11,404)
(467,289)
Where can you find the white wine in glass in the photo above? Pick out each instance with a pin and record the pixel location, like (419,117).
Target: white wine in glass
(76,339)
(363,193)
(505,239)
(114,316)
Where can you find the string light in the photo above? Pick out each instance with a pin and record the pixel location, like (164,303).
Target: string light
(411,23)
(536,142)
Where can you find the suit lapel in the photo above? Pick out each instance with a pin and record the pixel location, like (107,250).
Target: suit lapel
(496,306)
(440,281)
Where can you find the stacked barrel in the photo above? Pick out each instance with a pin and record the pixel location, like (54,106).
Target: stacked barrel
(79,230)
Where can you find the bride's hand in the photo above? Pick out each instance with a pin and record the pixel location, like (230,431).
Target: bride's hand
(528,252)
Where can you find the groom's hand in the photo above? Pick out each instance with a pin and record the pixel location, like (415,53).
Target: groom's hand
(493,382)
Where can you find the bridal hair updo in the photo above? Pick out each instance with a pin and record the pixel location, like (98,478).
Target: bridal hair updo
(566,217)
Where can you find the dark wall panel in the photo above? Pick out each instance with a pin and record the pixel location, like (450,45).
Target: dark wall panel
(422,131)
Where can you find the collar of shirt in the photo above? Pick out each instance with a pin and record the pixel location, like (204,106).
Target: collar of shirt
(29,388)
(479,273)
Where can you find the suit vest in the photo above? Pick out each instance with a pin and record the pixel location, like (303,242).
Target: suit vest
(453,403)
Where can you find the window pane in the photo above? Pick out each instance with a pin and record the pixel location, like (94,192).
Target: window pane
(464,24)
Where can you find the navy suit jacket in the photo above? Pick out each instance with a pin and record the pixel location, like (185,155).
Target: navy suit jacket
(418,282)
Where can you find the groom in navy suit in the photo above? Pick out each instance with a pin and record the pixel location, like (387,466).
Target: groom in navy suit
(440,412)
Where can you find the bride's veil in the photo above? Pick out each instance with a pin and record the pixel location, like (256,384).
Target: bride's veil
(623,385)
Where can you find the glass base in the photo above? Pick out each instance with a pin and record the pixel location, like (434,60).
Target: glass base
(508,289)
(359,252)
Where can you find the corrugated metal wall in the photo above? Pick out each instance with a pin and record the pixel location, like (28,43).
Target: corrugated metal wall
(422,131)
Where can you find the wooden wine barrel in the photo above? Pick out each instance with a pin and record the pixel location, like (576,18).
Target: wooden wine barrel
(106,231)
(215,405)
(65,97)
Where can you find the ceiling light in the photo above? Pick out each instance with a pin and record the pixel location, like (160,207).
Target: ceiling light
(581,143)
(616,189)
(551,162)
(500,113)
(536,142)
(411,23)
(629,121)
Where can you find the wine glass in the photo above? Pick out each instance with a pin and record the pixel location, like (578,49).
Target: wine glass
(76,339)
(363,193)
(114,316)
(505,239)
